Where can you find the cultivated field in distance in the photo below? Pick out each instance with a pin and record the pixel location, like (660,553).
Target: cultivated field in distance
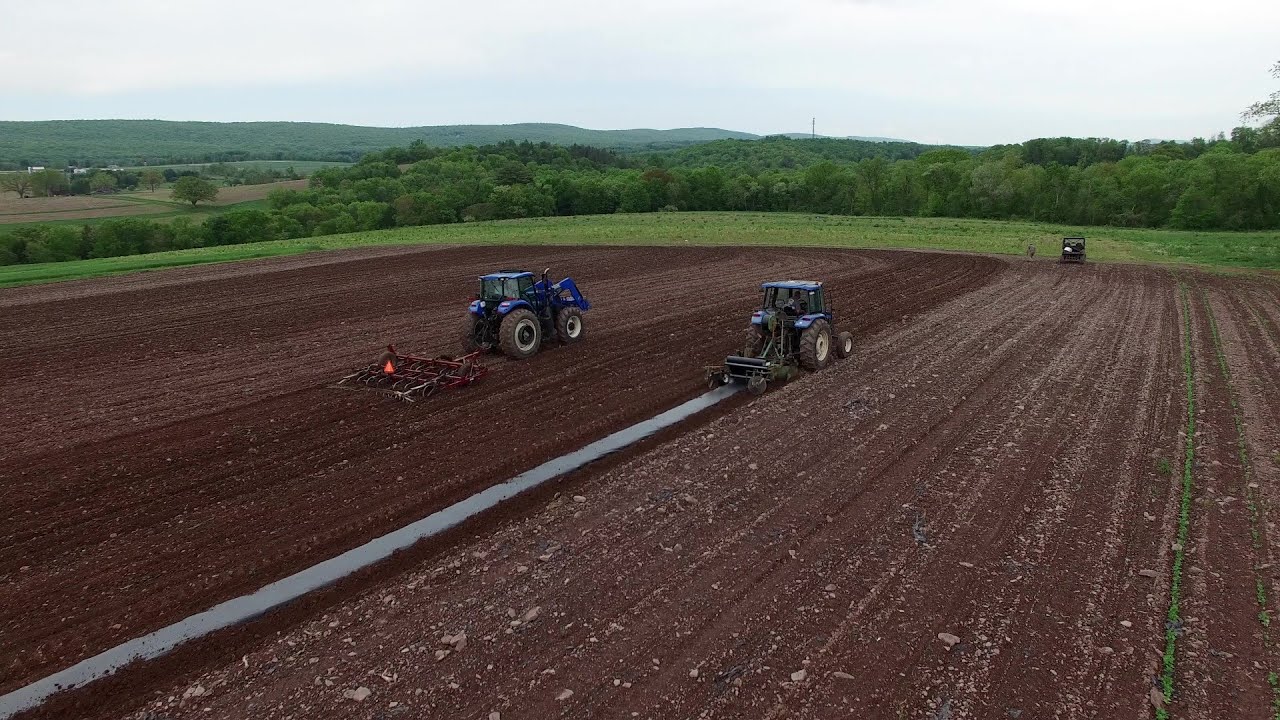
(15,210)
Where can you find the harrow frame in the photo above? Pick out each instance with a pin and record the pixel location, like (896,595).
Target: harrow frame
(407,377)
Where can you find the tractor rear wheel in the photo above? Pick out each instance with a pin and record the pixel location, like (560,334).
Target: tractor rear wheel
(755,342)
(520,334)
(815,346)
(569,325)
(844,344)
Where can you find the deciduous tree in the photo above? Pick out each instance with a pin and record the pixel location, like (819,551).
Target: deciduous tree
(1267,108)
(152,178)
(47,183)
(102,182)
(193,189)
(17,183)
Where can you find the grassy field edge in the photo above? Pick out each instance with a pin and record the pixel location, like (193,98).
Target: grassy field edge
(1259,250)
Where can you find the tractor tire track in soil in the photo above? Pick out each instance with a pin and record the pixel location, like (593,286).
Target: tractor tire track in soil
(970,520)
(194,450)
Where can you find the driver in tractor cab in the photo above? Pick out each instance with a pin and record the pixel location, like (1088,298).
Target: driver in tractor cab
(796,304)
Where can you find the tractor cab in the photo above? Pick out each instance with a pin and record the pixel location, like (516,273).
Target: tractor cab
(505,285)
(792,299)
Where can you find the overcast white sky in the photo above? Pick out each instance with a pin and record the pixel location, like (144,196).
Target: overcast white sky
(965,72)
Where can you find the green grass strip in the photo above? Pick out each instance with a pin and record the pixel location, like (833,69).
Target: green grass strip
(1174,617)
(1245,250)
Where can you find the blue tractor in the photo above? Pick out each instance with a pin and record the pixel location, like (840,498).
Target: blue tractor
(514,313)
(793,329)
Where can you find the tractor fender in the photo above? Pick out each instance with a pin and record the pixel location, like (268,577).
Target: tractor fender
(476,307)
(805,321)
(507,306)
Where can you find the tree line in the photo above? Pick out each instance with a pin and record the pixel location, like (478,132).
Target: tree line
(1221,184)
(86,143)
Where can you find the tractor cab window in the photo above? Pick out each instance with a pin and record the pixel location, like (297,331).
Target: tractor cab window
(776,298)
(525,286)
(500,288)
(789,301)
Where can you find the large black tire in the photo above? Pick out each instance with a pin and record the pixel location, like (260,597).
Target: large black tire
(471,326)
(520,334)
(468,332)
(755,342)
(815,346)
(569,325)
(844,344)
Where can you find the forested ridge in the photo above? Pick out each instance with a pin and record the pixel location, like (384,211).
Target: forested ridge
(89,143)
(1222,184)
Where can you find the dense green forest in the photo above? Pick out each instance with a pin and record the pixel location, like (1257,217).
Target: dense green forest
(86,143)
(1228,184)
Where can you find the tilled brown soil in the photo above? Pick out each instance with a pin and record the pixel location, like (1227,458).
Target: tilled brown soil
(171,440)
(988,470)
(972,519)
(1228,669)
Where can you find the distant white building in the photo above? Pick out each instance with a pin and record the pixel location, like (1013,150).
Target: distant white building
(35,169)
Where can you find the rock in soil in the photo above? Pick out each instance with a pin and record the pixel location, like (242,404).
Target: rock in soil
(359,694)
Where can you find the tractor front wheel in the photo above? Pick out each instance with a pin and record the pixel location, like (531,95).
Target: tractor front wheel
(815,346)
(520,334)
(569,325)
(844,344)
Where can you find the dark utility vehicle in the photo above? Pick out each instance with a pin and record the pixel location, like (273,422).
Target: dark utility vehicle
(1072,250)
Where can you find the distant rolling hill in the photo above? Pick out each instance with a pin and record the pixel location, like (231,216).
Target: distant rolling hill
(866,138)
(57,143)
